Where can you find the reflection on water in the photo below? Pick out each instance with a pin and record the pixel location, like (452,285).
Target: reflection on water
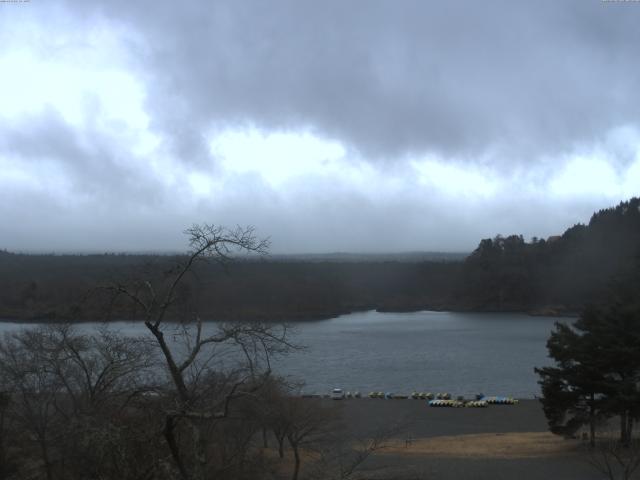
(461,353)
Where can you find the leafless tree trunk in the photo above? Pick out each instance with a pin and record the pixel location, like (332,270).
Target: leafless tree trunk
(5,468)
(281,439)
(93,408)
(188,368)
(592,421)
(296,456)
(624,437)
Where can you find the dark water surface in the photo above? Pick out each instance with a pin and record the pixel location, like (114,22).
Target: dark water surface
(460,353)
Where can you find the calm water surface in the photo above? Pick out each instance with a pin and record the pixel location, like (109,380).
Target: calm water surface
(461,353)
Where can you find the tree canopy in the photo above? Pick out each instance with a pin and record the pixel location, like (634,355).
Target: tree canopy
(597,371)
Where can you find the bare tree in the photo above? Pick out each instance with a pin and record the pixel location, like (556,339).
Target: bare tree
(34,391)
(308,424)
(7,464)
(346,455)
(314,431)
(69,391)
(202,387)
(91,406)
(95,370)
(616,460)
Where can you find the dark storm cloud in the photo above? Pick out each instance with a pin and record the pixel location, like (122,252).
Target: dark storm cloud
(512,80)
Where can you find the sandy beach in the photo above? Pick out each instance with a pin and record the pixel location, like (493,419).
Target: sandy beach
(497,442)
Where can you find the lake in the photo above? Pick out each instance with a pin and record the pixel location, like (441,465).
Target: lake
(460,353)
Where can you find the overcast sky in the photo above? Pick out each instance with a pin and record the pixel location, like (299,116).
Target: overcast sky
(361,126)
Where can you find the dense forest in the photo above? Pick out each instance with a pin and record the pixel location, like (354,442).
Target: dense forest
(545,276)
(68,287)
(556,275)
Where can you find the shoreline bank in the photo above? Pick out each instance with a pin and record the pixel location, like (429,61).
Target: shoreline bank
(545,312)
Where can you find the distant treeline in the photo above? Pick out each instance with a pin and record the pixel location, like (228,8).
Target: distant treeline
(556,275)
(69,287)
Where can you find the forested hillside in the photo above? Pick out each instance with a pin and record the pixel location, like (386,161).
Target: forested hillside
(557,275)
(69,287)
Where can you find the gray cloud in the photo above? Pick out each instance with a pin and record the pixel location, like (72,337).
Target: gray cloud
(93,162)
(461,78)
(511,85)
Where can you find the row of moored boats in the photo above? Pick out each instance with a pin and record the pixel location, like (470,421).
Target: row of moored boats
(434,399)
(480,403)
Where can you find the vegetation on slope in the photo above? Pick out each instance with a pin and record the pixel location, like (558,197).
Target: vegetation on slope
(553,276)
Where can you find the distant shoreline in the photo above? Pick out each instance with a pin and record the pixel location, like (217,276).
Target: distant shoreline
(540,312)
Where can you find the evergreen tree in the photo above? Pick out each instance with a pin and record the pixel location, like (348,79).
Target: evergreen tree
(573,391)
(597,372)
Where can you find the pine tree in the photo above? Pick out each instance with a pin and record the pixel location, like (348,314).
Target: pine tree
(597,372)
(573,391)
